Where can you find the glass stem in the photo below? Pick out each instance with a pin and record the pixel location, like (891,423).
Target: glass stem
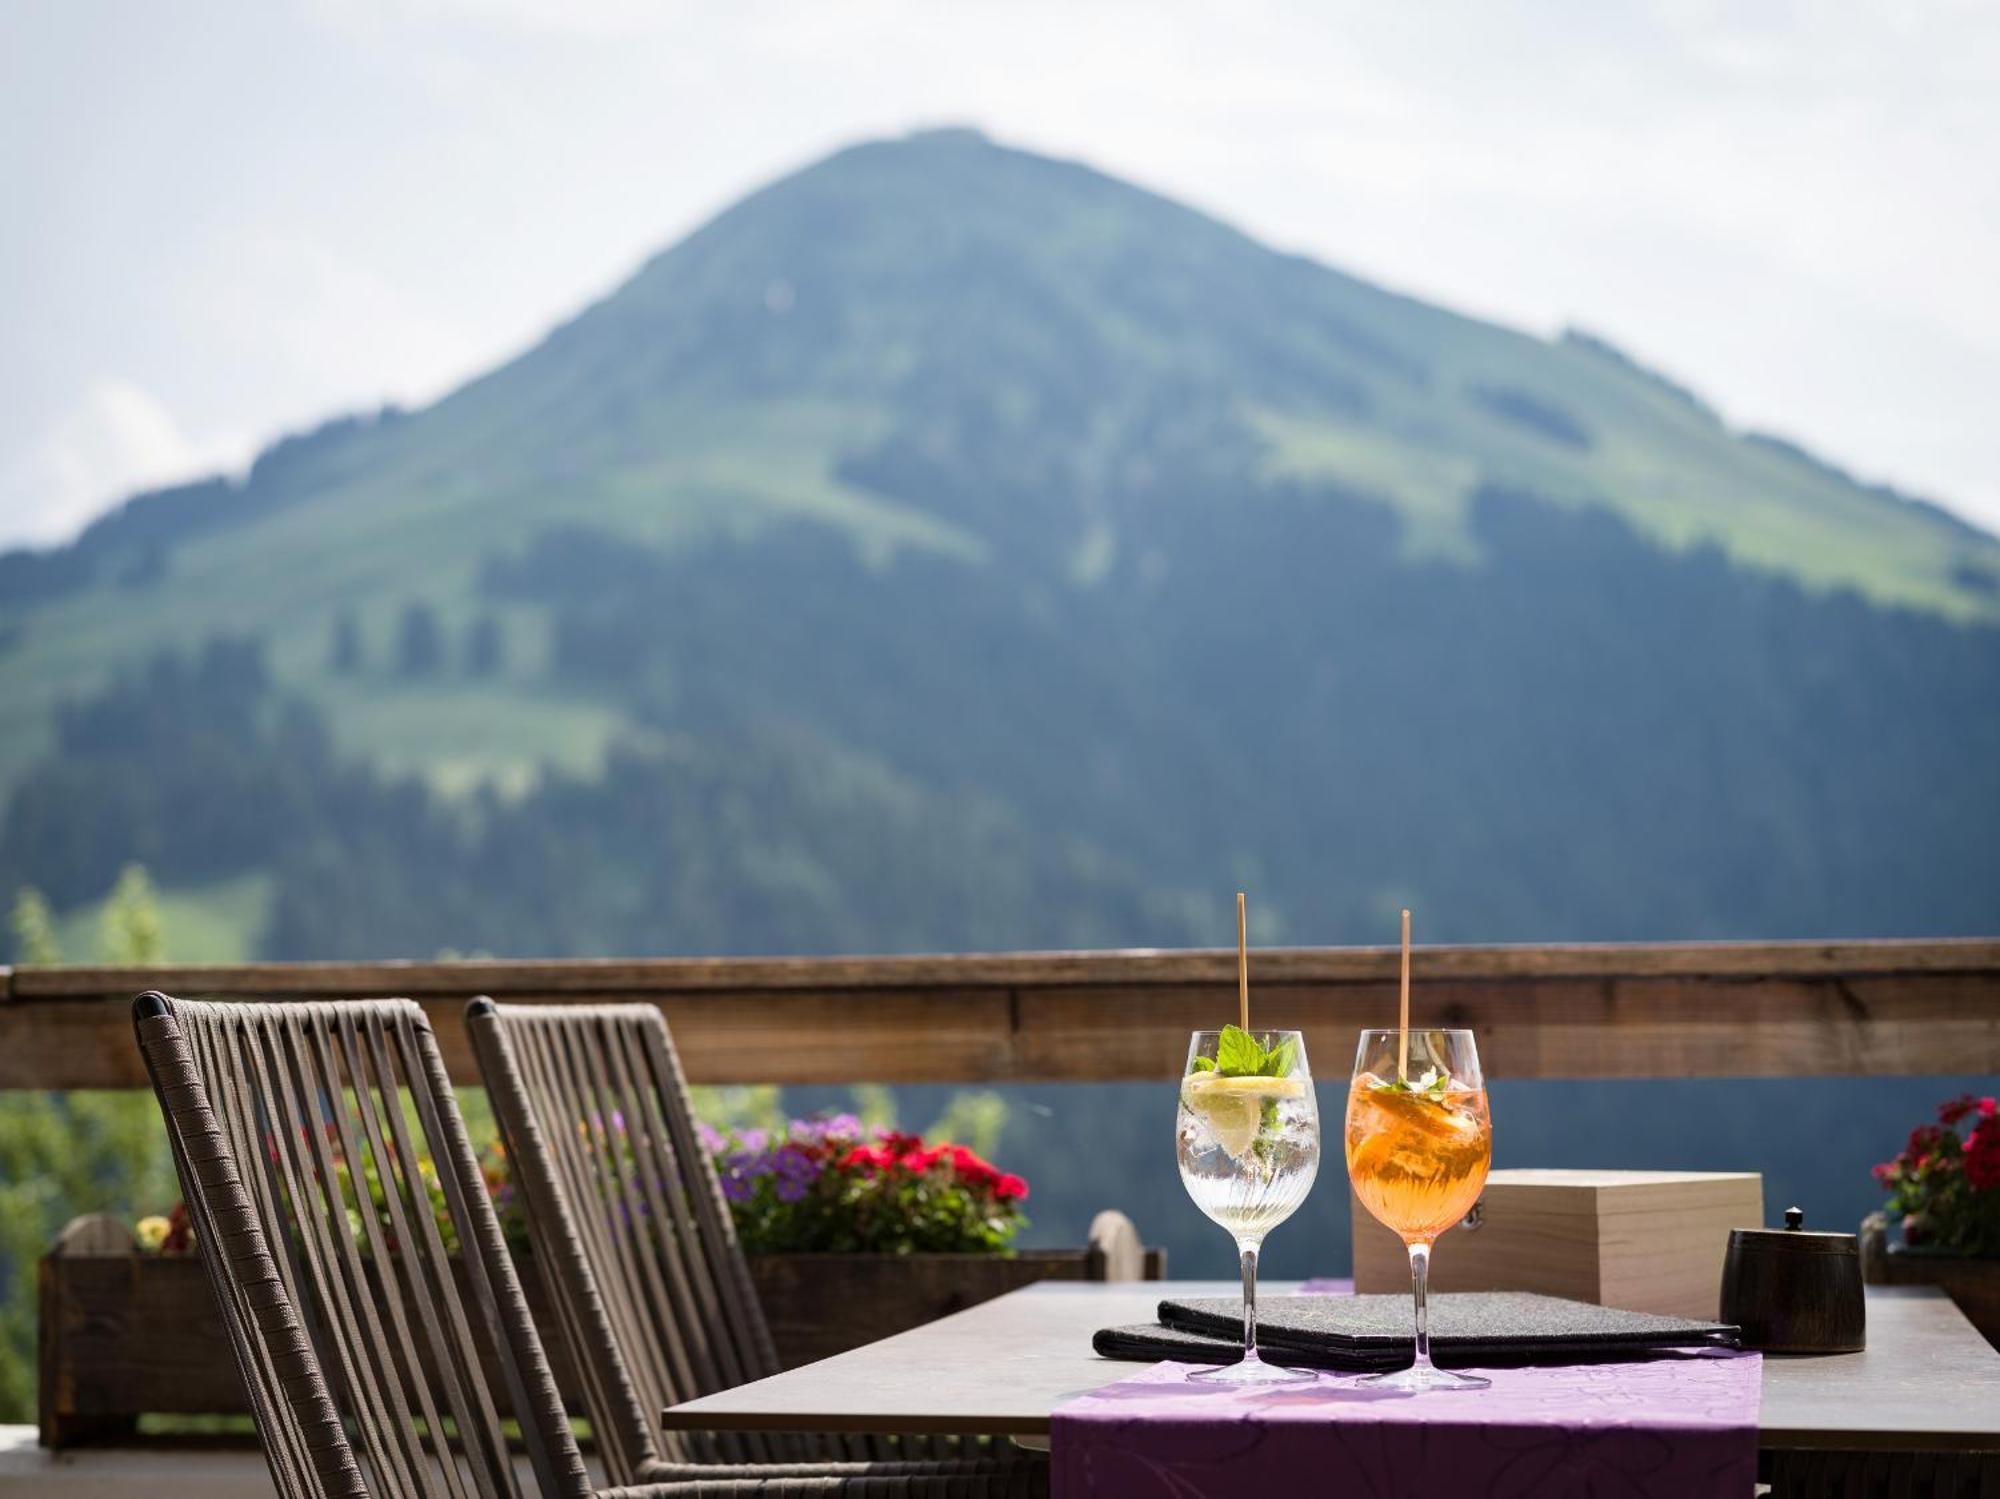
(1420,1267)
(1247,1248)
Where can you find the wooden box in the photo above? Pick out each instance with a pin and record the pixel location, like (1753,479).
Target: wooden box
(1647,1241)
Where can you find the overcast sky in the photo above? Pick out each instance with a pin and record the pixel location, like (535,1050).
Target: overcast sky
(226,220)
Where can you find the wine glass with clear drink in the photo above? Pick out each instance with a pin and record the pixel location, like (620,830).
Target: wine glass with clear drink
(1419,1143)
(1248,1140)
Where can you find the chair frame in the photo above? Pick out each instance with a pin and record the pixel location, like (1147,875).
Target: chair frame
(346,1336)
(642,1342)
(364,1355)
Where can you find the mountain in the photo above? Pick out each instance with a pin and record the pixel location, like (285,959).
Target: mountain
(948,546)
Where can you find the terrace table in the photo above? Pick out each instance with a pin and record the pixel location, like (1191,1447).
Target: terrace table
(1921,1404)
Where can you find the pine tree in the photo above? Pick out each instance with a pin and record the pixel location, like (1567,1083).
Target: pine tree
(485,647)
(419,642)
(131,930)
(34,928)
(343,654)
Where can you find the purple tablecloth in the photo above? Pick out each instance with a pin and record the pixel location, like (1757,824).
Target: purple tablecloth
(1670,1428)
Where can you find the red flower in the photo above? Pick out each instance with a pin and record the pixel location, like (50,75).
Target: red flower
(1011,1188)
(180,1231)
(921,1161)
(1989,1107)
(869,1157)
(971,1169)
(1982,1155)
(1924,1142)
(1956,1109)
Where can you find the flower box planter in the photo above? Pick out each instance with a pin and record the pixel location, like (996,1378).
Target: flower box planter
(1972,1281)
(822,1304)
(124,1334)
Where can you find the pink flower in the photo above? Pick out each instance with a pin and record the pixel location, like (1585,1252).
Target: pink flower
(1011,1188)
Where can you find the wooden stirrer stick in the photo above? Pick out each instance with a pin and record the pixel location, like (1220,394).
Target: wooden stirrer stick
(1403,1015)
(1242,962)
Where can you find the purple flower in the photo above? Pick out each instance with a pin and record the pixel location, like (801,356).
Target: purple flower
(712,1140)
(835,1127)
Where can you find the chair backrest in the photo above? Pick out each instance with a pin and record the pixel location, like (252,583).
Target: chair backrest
(628,1223)
(329,1180)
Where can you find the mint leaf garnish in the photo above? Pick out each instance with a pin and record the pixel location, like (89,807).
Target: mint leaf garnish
(1237,1053)
(1204,1064)
(1434,1084)
(1280,1059)
(1240,1054)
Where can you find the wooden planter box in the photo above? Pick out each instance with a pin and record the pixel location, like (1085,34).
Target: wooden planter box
(822,1304)
(123,1334)
(1974,1283)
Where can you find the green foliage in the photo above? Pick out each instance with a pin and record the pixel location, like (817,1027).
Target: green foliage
(872,1103)
(739,1107)
(62,1154)
(1240,1054)
(216,922)
(132,933)
(975,1116)
(34,929)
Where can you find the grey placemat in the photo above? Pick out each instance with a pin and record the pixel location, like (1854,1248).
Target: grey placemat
(1149,1343)
(1516,1325)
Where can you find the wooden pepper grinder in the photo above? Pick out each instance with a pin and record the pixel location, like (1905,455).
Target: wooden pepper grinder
(1795,1292)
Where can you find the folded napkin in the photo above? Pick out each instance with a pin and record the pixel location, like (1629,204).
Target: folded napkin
(1501,1328)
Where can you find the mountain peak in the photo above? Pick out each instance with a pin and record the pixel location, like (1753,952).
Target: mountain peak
(1049,328)
(947,135)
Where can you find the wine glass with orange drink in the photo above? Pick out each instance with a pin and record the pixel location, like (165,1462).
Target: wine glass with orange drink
(1419,1144)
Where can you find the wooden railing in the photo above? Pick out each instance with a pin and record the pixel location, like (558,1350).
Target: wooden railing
(1681,1010)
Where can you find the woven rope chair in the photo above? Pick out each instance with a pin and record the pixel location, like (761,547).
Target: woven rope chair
(329,1179)
(647,1276)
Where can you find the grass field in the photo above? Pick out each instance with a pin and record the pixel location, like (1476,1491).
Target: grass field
(217,923)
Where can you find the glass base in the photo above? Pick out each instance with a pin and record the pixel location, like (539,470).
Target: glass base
(1417,1379)
(1253,1371)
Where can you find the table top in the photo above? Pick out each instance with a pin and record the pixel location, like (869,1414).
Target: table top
(1927,1381)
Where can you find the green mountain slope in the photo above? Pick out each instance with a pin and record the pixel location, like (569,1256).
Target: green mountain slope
(1044,504)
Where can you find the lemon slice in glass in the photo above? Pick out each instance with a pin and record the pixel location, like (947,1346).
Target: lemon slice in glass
(1233,1107)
